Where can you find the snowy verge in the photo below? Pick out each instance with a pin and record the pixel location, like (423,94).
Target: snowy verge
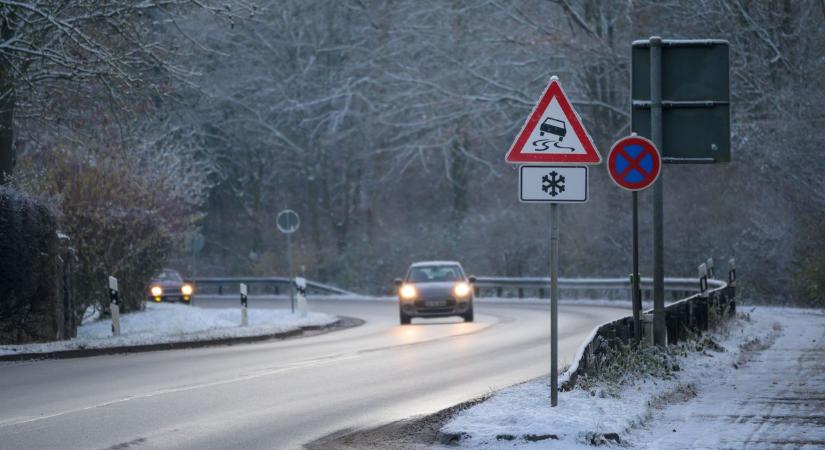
(520,416)
(171,323)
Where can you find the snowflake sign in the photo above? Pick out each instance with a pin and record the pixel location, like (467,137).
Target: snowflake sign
(553,184)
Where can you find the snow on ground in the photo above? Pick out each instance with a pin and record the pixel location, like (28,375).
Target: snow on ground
(164,323)
(764,391)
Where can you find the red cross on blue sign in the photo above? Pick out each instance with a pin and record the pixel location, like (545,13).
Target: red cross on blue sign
(634,163)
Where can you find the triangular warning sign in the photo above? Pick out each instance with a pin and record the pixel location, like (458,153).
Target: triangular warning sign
(553,133)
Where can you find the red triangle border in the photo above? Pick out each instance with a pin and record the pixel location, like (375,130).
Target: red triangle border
(515,155)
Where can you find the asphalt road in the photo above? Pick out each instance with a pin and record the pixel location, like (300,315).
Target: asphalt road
(282,394)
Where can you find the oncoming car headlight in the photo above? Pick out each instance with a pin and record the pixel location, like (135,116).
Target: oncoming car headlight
(186,289)
(462,289)
(156,291)
(408,292)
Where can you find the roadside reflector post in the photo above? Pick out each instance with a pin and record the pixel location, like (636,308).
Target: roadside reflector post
(703,278)
(710,268)
(732,272)
(244,311)
(301,295)
(114,305)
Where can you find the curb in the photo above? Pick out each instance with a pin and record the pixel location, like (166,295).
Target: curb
(341,323)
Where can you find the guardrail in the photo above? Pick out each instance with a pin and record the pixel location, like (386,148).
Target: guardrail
(714,303)
(262,285)
(540,286)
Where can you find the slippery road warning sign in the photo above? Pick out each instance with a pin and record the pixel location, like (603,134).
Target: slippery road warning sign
(553,184)
(553,133)
(634,163)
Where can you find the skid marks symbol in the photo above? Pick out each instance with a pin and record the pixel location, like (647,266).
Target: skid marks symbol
(552,183)
(545,145)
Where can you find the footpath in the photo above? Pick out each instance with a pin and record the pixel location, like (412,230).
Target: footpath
(773,396)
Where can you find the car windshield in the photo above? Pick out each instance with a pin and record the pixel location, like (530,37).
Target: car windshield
(428,274)
(168,275)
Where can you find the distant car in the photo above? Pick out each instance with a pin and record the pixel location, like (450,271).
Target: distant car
(168,286)
(435,289)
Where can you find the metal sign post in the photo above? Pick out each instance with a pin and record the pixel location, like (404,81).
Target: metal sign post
(634,164)
(288,223)
(659,330)
(554,303)
(553,133)
(687,116)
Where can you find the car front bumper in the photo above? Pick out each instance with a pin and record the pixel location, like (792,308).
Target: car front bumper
(171,298)
(436,307)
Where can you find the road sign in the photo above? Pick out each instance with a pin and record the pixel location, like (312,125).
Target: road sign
(695,98)
(553,133)
(553,184)
(288,221)
(196,242)
(634,163)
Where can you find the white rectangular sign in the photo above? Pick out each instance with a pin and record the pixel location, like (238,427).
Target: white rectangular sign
(553,184)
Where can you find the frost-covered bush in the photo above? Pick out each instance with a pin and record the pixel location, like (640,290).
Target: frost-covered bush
(28,269)
(121,222)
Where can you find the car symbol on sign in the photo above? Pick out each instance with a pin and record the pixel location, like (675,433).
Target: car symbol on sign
(553,126)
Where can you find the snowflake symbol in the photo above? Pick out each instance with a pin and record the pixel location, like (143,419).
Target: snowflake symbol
(552,183)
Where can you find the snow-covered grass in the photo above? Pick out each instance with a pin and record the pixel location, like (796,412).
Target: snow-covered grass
(627,407)
(164,323)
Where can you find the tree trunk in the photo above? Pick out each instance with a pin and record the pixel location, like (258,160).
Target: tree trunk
(7,156)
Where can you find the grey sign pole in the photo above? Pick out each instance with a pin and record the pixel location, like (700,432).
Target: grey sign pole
(288,222)
(634,283)
(291,275)
(554,304)
(659,331)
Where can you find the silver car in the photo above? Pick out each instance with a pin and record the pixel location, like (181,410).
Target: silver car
(435,289)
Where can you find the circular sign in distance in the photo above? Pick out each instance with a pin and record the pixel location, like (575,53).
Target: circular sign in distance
(287,221)
(634,163)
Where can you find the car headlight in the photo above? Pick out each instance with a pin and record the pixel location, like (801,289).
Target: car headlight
(156,291)
(408,292)
(462,289)
(186,289)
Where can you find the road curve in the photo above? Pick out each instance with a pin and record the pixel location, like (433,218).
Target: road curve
(283,394)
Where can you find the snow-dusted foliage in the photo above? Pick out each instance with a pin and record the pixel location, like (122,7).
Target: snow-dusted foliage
(384,124)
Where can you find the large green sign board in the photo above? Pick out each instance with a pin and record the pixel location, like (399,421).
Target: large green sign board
(695,99)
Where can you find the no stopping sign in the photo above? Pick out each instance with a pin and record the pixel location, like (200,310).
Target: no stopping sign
(634,163)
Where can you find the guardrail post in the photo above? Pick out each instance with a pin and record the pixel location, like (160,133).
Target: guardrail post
(520,292)
(498,291)
(244,312)
(703,278)
(114,305)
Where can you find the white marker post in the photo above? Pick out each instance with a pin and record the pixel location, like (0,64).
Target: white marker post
(114,308)
(244,311)
(301,296)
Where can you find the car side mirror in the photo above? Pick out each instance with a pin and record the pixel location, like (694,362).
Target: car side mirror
(397,282)
(471,279)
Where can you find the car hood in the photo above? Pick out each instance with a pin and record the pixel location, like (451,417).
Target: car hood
(435,290)
(167,284)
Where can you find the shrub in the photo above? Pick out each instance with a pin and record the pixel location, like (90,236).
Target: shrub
(122,224)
